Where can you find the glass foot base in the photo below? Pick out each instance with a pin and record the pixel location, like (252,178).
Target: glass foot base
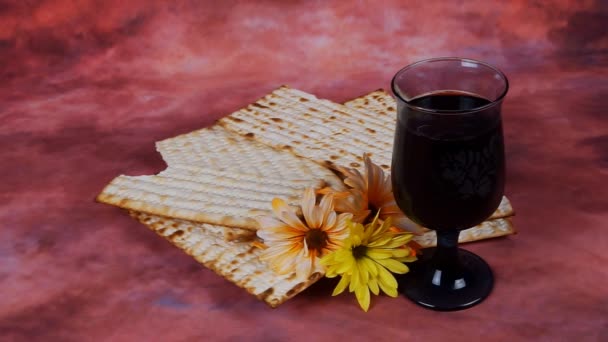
(453,286)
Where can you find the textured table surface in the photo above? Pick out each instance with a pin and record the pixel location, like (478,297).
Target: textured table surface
(87,87)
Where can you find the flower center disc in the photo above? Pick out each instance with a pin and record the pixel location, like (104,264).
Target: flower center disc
(316,239)
(371,207)
(359,251)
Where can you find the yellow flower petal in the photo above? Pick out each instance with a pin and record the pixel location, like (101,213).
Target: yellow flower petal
(393,266)
(380,241)
(371,267)
(386,278)
(363,297)
(355,280)
(377,253)
(344,281)
(347,265)
(330,272)
(390,291)
(400,252)
(398,241)
(409,258)
(373,286)
(363,271)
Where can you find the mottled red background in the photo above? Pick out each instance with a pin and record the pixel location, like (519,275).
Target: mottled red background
(87,87)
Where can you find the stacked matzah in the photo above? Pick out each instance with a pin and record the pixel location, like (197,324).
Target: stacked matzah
(218,178)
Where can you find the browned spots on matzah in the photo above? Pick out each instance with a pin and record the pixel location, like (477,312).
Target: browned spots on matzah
(332,117)
(312,109)
(266,294)
(391,109)
(355,164)
(176,234)
(332,157)
(361,121)
(276,119)
(250,135)
(359,158)
(255,104)
(235,119)
(295,289)
(372,131)
(384,166)
(303,99)
(315,276)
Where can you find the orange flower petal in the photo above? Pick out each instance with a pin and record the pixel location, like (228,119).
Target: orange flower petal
(259,245)
(285,213)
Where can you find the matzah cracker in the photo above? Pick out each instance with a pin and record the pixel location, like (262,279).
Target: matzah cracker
(321,130)
(204,195)
(216,148)
(486,230)
(239,263)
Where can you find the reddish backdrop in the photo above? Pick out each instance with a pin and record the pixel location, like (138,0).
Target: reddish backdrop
(87,87)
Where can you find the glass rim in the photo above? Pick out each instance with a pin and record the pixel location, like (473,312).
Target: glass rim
(397,93)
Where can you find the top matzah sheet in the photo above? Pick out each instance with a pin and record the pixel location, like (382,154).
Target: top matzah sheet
(204,195)
(216,148)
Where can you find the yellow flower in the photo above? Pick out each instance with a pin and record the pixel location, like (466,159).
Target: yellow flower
(296,245)
(367,258)
(371,192)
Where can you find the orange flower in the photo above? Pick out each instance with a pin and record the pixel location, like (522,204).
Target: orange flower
(296,245)
(370,193)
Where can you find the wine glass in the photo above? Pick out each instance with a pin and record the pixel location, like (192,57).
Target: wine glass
(448,171)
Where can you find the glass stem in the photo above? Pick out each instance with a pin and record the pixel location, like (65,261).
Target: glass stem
(446,253)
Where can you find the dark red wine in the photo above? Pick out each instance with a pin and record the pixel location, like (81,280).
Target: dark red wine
(448,168)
